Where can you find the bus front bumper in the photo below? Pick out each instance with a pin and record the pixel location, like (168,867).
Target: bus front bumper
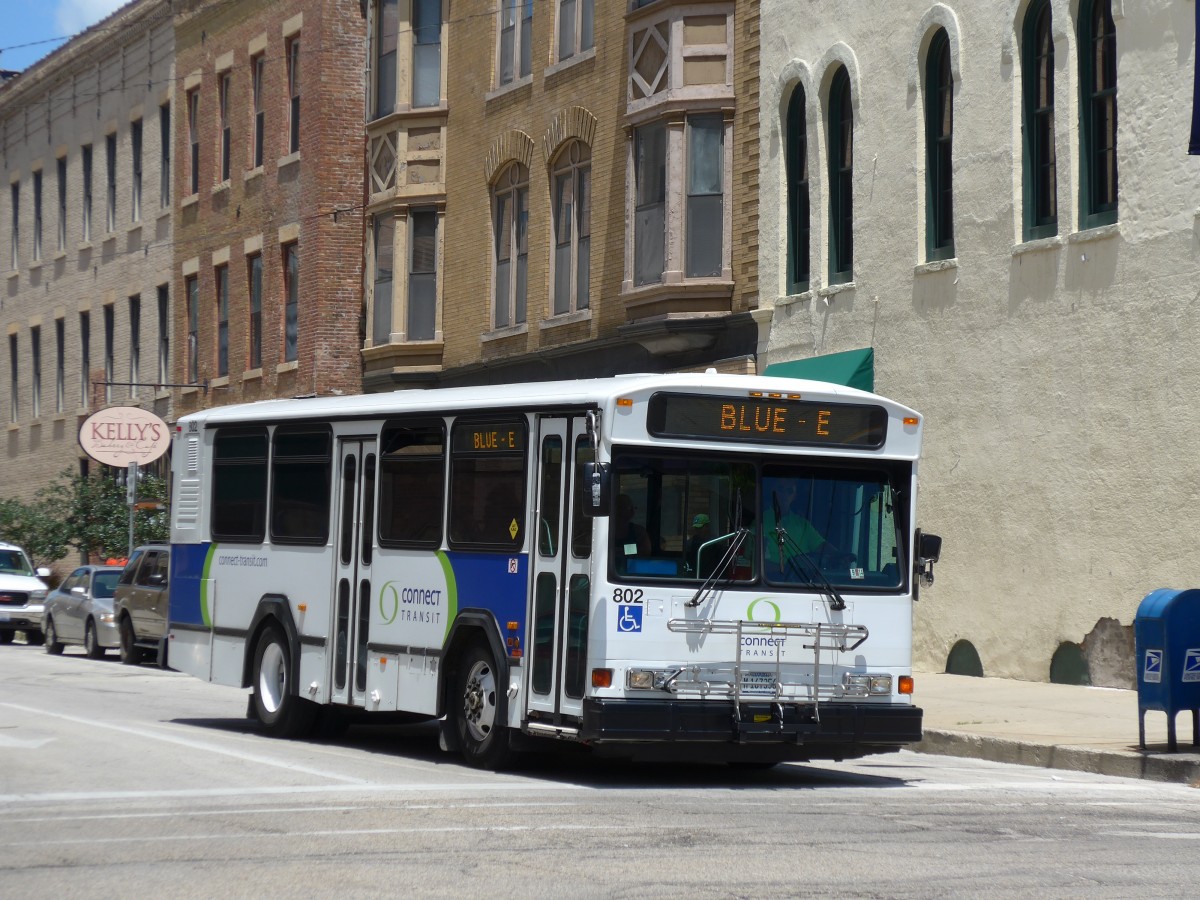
(789,731)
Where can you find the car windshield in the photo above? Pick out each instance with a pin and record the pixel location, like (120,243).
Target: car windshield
(105,583)
(13,562)
(803,524)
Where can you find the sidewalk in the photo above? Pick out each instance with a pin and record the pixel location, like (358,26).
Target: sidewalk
(1056,726)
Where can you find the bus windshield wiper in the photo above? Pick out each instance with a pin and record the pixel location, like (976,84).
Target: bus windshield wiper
(725,563)
(817,577)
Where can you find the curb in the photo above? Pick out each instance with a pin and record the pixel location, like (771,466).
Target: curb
(1177,768)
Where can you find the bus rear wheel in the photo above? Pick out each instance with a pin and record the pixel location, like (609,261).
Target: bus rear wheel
(479,707)
(276,706)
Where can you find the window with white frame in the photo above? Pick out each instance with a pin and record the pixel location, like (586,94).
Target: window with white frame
(381,318)
(421,321)
(650,209)
(705,196)
(427,52)
(387,33)
(516,36)
(576,27)
(510,206)
(572,210)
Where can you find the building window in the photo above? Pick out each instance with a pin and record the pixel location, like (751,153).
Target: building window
(511,208)
(85,359)
(1098,86)
(798,211)
(14,402)
(381,320)
(939,158)
(110,192)
(164,335)
(86,158)
(422,276)
(650,213)
(223,98)
(516,34)
(257,72)
(135,344)
(135,150)
(1040,162)
(191,286)
(14,191)
(255,277)
(110,351)
(572,228)
(427,53)
(37,215)
(293,74)
(60,365)
(705,192)
(387,29)
(164,163)
(221,277)
(841,180)
(62,203)
(576,20)
(194,142)
(35,373)
(291,304)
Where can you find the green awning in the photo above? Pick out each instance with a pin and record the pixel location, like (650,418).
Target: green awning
(853,368)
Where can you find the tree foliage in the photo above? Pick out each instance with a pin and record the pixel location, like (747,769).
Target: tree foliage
(87,512)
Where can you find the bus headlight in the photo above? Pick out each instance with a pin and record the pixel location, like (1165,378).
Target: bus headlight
(648,679)
(873,685)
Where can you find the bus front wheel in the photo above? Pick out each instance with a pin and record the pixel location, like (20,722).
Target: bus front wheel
(480,710)
(276,706)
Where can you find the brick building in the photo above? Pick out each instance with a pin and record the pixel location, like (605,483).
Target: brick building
(560,189)
(86,238)
(269,185)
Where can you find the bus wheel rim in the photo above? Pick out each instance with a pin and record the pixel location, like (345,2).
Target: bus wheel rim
(479,701)
(272,674)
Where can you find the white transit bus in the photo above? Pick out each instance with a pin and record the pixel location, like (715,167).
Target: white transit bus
(690,567)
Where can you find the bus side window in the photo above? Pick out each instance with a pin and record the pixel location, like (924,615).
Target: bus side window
(487,484)
(412,480)
(300,484)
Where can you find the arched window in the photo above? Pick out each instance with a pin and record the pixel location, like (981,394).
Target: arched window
(1098,105)
(841,178)
(510,206)
(1040,164)
(939,157)
(572,201)
(797,197)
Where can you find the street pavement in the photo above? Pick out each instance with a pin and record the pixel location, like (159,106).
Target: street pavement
(1057,726)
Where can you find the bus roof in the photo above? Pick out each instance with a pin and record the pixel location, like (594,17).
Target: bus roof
(598,392)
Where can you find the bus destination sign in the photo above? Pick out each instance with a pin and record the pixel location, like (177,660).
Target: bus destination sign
(769,421)
(490,437)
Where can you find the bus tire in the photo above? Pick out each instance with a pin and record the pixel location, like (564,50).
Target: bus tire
(53,645)
(131,654)
(480,710)
(280,712)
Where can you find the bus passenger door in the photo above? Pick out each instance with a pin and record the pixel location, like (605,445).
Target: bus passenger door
(353,549)
(558,636)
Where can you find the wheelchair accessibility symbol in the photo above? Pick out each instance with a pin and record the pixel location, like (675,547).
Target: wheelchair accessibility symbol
(629,618)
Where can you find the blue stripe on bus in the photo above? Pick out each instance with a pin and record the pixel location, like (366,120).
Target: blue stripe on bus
(492,581)
(187,579)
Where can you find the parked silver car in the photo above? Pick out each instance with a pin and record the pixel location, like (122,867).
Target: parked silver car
(80,611)
(22,593)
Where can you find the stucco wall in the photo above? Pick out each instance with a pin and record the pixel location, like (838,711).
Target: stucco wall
(1057,376)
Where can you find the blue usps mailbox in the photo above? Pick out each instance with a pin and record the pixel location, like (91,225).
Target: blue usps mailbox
(1166,635)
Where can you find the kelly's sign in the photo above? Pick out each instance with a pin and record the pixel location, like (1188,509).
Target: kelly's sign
(121,435)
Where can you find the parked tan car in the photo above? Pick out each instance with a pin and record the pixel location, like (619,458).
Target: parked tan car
(140,603)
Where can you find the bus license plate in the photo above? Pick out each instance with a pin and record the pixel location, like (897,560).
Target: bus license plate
(758,684)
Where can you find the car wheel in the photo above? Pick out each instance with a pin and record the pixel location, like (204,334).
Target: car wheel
(6,637)
(35,638)
(131,654)
(53,645)
(479,708)
(91,641)
(276,706)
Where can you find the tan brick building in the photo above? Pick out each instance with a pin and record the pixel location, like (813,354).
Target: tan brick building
(268,254)
(85,239)
(560,189)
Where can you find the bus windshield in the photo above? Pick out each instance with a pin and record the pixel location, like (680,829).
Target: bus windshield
(804,524)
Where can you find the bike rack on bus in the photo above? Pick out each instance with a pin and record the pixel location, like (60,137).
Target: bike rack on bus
(749,683)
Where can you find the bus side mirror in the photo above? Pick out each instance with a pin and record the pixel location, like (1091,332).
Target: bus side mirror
(595,489)
(929,550)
